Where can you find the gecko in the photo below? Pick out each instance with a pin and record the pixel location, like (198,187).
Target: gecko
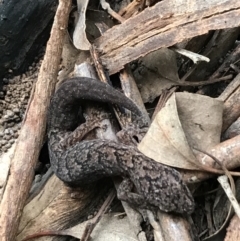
(146,183)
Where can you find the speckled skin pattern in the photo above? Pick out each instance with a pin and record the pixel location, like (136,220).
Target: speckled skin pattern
(87,161)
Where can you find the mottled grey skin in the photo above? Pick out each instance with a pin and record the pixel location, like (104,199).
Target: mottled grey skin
(90,160)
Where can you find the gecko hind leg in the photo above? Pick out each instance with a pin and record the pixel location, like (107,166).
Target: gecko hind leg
(124,193)
(78,134)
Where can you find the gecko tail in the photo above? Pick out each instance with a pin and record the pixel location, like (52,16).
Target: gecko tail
(74,92)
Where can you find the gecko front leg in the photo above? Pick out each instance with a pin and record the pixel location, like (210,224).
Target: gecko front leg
(132,135)
(125,193)
(81,131)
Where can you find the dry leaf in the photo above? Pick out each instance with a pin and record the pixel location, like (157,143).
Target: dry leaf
(155,73)
(110,227)
(80,40)
(186,120)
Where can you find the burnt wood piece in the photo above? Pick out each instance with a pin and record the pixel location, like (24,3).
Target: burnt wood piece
(23,29)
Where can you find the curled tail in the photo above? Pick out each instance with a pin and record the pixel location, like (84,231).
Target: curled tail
(74,92)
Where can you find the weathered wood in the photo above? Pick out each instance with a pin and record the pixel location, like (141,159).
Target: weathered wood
(22,26)
(58,207)
(165,24)
(231,109)
(225,40)
(33,129)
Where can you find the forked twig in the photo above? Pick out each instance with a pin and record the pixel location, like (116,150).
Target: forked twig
(91,225)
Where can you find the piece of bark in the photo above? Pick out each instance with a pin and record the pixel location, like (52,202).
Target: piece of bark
(22,31)
(229,59)
(163,25)
(32,132)
(131,9)
(231,110)
(131,90)
(233,130)
(58,207)
(226,152)
(229,90)
(181,227)
(5,161)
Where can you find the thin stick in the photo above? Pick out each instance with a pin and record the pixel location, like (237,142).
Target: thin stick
(231,196)
(203,83)
(191,55)
(227,173)
(91,225)
(98,65)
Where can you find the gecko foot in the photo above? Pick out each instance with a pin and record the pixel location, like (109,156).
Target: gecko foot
(131,135)
(125,193)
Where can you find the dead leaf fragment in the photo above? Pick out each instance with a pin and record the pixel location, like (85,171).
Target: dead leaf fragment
(80,40)
(157,71)
(110,227)
(186,120)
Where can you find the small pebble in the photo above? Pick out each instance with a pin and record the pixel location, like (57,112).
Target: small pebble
(4,149)
(11,81)
(7,138)
(8,145)
(5,80)
(13,102)
(16,110)
(4,142)
(10,124)
(11,141)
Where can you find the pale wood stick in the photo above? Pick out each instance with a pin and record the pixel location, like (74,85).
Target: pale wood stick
(31,135)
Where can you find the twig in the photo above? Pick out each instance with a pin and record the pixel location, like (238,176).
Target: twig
(88,229)
(115,15)
(234,67)
(99,67)
(32,132)
(191,55)
(225,185)
(202,83)
(223,180)
(227,173)
(42,234)
(91,225)
(157,230)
